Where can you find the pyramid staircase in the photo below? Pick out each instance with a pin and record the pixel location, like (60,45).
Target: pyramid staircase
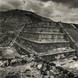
(46,40)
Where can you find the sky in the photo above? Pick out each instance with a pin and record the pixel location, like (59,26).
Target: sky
(57,10)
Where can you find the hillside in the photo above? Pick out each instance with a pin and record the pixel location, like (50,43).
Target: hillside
(14,19)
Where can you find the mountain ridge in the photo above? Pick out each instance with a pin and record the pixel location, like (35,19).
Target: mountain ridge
(17,18)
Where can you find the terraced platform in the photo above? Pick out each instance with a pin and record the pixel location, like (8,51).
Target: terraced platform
(46,42)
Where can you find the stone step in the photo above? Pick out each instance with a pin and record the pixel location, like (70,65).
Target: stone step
(47,29)
(45,33)
(57,52)
(41,26)
(46,41)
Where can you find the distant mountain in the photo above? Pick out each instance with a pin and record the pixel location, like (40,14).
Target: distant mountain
(14,19)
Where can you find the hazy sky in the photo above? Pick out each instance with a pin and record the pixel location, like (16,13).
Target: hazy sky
(67,9)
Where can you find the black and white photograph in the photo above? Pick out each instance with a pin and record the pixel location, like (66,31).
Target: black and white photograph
(38,38)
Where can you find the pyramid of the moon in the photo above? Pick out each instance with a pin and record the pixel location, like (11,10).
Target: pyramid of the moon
(29,33)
